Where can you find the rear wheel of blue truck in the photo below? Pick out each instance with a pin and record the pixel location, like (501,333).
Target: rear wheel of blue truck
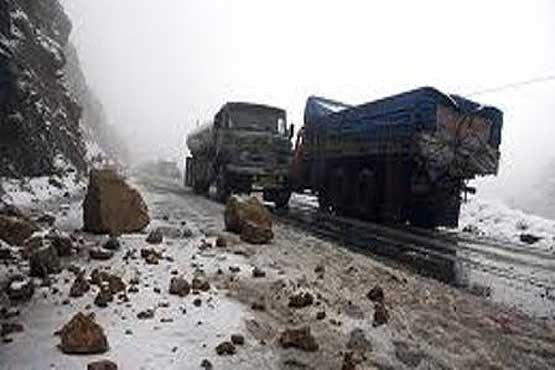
(222,188)
(366,191)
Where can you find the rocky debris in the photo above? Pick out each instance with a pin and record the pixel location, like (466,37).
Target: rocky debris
(187,233)
(381,316)
(358,342)
(82,335)
(529,238)
(237,339)
(112,244)
(376,294)
(10,328)
(320,315)
(79,287)
(103,297)
(102,365)
(179,286)
(155,237)
(301,300)
(113,283)
(112,206)
(197,302)
(249,218)
(234,269)
(15,230)
(100,254)
(151,256)
(300,338)
(259,304)
(46,219)
(5,251)
(62,243)
(200,284)
(258,272)
(206,365)
(171,232)
(350,361)
(146,314)
(20,288)
(221,242)
(44,260)
(11,210)
(225,348)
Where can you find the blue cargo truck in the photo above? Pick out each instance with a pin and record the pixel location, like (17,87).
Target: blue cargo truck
(404,158)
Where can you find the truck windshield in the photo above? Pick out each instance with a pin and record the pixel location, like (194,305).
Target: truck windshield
(259,120)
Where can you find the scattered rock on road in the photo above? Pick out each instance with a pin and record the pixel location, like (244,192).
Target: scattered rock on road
(179,286)
(530,238)
(102,365)
(201,284)
(80,286)
(146,314)
(20,288)
(112,244)
(100,254)
(376,294)
(44,261)
(155,237)
(248,217)
(82,335)
(381,316)
(62,243)
(112,206)
(301,300)
(358,342)
(258,272)
(298,338)
(15,230)
(237,339)
(225,348)
(206,365)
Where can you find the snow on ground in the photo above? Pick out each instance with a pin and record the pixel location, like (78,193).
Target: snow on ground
(493,219)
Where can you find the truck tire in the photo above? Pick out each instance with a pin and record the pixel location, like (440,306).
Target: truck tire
(366,191)
(201,187)
(222,188)
(338,191)
(282,198)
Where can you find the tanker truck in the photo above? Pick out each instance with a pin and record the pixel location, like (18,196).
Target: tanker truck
(245,148)
(402,159)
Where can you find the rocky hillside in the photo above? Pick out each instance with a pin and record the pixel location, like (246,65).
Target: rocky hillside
(39,120)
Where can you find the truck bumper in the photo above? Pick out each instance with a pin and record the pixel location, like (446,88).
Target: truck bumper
(259,178)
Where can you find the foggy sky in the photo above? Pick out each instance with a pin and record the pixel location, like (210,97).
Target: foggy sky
(160,66)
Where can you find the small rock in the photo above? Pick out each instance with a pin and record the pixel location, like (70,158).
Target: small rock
(197,302)
(381,316)
(146,314)
(225,348)
(179,286)
(529,238)
(112,282)
(79,287)
(46,219)
(298,338)
(187,233)
(234,269)
(20,289)
(10,328)
(100,254)
(112,244)
(376,294)
(301,300)
(63,244)
(44,261)
(103,298)
(15,230)
(206,365)
(102,365)
(320,315)
(5,251)
(155,237)
(258,272)
(259,305)
(237,339)
(221,242)
(319,269)
(82,335)
(200,284)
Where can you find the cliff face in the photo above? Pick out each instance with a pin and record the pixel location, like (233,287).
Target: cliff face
(39,118)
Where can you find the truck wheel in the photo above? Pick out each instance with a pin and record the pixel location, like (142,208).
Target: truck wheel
(222,189)
(366,189)
(282,198)
(338,191)
(200,188)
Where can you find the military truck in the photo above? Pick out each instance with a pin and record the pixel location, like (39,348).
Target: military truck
(404,158)
(247,147)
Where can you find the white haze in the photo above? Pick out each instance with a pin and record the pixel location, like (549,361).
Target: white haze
(160,66)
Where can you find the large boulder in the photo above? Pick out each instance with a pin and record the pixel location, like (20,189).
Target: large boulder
(248,217)
(111,206)
(15,230)
(82,335)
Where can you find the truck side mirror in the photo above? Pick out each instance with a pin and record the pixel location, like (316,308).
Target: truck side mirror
(291,131)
